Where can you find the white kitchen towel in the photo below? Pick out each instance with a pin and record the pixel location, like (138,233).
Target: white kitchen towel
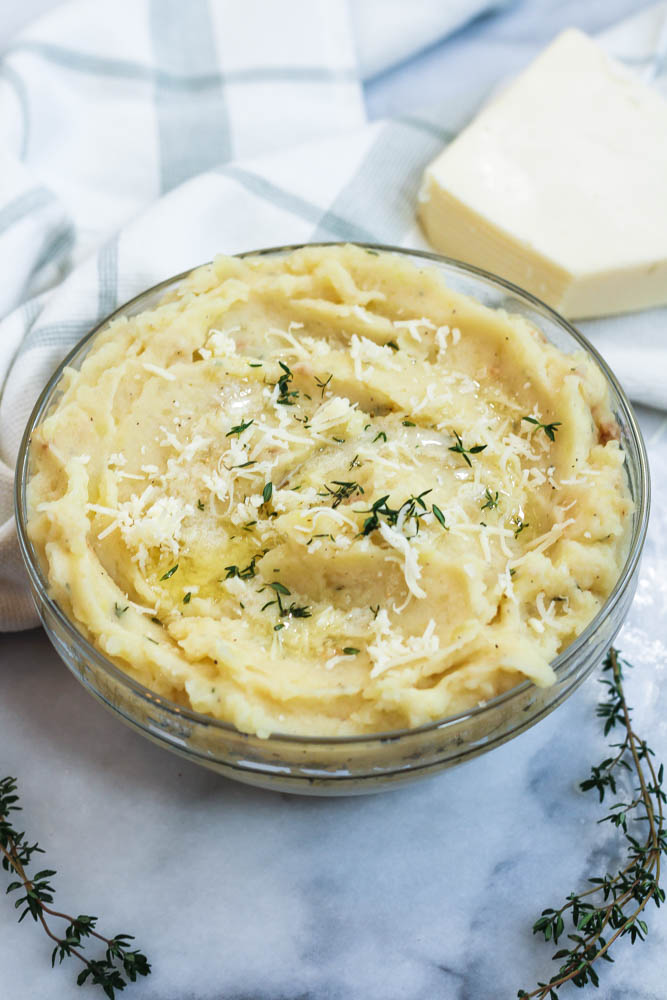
(109,105)
(386,33)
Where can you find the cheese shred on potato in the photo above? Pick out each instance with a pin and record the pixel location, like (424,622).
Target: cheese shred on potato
(324,494)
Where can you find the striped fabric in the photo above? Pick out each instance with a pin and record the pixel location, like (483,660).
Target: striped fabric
(234,140)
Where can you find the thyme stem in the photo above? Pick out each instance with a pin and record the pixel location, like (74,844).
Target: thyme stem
(638,880)
(15,854)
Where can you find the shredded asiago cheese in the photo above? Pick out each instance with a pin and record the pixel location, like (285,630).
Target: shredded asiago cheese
(397,650)
(157,370)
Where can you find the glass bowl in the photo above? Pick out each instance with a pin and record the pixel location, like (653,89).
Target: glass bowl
(356,764)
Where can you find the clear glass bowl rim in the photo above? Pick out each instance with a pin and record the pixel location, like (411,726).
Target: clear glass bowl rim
(178,712)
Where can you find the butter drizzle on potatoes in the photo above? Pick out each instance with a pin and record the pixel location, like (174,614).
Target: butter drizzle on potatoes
(324,494)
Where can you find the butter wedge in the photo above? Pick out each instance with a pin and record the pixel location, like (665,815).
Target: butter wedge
(560,185)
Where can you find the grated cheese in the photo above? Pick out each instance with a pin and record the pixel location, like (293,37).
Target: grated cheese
(411,567)
(157,370)
(397,650)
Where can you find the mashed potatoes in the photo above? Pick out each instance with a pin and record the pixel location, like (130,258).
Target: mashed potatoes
(323,494)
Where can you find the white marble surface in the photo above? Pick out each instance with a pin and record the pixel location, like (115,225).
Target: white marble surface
(428,892)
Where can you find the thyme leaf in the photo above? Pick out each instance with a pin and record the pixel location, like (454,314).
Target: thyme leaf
(437,513)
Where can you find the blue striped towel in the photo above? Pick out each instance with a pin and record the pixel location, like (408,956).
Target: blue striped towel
(251,138)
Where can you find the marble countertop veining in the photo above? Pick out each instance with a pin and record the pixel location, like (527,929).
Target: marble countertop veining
(423,893)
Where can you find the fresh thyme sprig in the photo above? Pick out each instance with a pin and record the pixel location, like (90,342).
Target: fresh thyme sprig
(293,611)
(408,509)
(344,490)
(36,891)
(466,452)
(626,893)
(285,395)
(239,428)
(491,500)
(243,574)
(323,383)
(549,429)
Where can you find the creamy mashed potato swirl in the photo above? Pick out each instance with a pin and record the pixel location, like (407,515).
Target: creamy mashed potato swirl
(324,494)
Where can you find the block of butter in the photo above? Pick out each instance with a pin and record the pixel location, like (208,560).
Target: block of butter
(560,185)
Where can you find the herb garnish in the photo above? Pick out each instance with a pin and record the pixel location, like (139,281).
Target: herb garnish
(267,492)
(465,452)
(380,434)
(344,491)
(322,385)
(293,611)
(240,428)
(355,461)
(350,650)
(626,893)
(116,962)
(381,509)
(118,610)
(491,500)
(285,397)
(390,343)
(439,516)
(243,465)
(169,573)
(188,597)
(323,534)
(409,423)
(520,525)
(549,429)
(200,505)
(243,574)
